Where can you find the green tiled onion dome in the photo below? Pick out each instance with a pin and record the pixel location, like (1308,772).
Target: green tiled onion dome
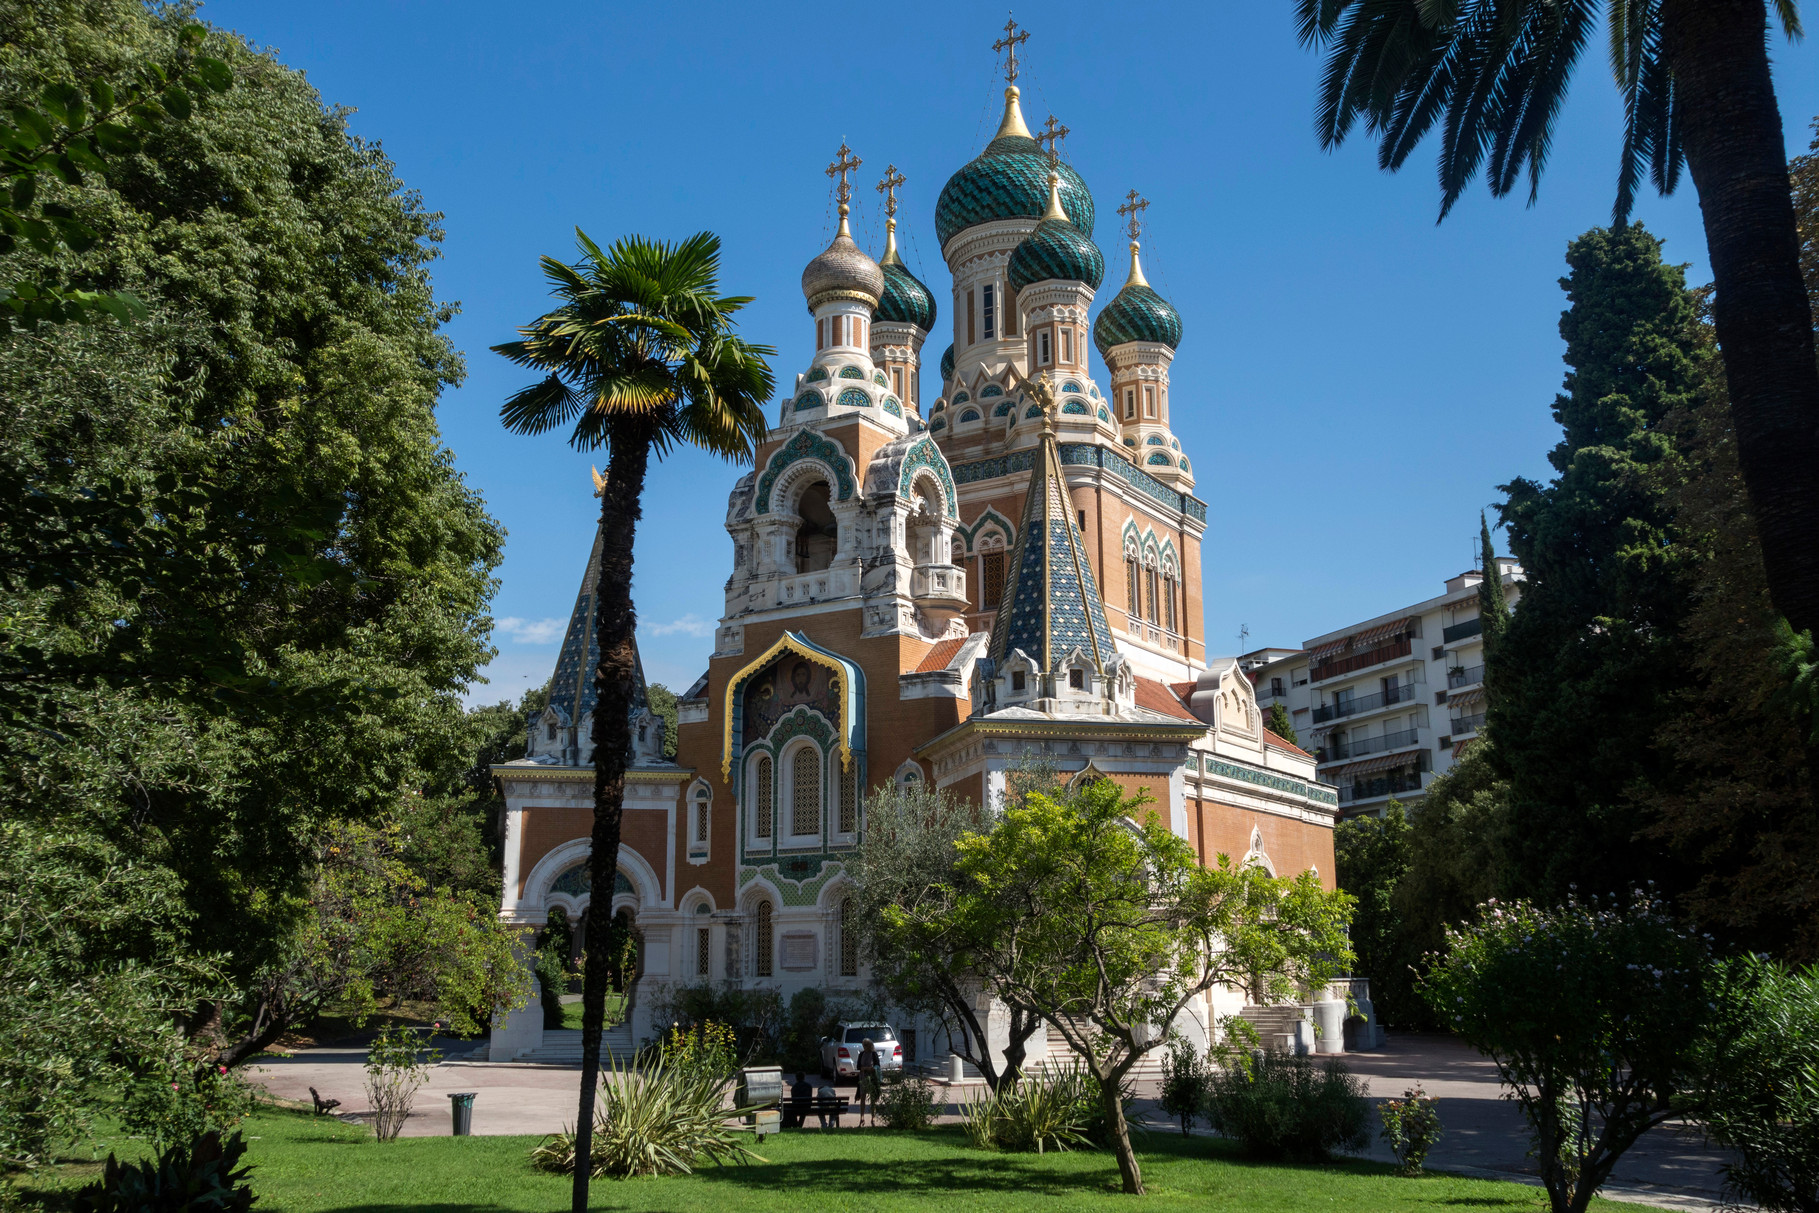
(1056,249)
(1137,314)
(1008,180)
(947,365)
(906,300)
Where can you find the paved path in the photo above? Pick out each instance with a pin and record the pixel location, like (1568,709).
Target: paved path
(1483,1132)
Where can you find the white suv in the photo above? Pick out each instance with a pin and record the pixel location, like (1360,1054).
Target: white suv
(840,1052)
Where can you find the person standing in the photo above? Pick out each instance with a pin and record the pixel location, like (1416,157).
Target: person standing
(869,1085)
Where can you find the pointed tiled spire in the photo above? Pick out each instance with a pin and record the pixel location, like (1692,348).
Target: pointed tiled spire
(1051,603)
(572,685)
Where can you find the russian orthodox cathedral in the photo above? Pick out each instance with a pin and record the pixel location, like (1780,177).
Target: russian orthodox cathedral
(927,592)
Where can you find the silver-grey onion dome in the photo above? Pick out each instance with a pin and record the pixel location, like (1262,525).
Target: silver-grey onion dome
(842,271)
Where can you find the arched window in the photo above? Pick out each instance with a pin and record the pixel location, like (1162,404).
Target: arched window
(805,794)
(849,799)
(1130,577)
(702,797)
(1149,586)
(761,926)
(849,940)
(762,798)
(1168,603)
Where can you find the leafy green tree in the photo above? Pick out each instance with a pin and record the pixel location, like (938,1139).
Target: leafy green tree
(304,587)
(662,701)
(1591,662)
(906,865)
(640,357)
(1493,607)
(1759,1095)
(1697,94)
(1373,857)
(92,977)
(1090,910)
(1597,1052)
(1281,725)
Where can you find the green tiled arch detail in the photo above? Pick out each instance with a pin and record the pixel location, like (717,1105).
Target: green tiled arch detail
(926,454)
(851,372)
(1005,409)
(853,398)
(989,390)
(892,407)
(807,444)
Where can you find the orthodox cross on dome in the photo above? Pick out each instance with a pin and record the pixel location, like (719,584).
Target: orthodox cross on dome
(1052,135)
(888,187)
(1134,205)
(844,162)
(1013,38)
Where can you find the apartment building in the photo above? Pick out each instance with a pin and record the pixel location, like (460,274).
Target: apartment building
(1388,703)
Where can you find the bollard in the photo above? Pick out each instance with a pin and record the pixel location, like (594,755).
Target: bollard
(461,1105)
(956,1068)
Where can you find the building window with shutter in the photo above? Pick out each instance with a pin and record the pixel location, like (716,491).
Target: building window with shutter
(991,580)
(849,799)
(701,822)
(897,381)
(762,798)
(1067,346)
(1042,347)
(849,940)
(805,792)
(704,950)
(761,928)
(991,313)
(1130,403)
(1149,402)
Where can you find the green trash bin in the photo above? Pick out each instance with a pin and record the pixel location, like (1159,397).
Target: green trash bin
(461,1104)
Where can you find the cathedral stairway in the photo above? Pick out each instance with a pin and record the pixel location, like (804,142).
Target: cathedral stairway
(1275,1025)
(562,1047)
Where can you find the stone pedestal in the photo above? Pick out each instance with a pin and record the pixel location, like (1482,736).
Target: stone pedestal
(516,1033)
(1304,1038)
(1329,1022)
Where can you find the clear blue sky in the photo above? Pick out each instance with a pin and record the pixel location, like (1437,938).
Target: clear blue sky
(1352,383)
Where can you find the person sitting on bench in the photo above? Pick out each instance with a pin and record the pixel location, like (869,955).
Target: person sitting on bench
(801,1095)
(828,1097)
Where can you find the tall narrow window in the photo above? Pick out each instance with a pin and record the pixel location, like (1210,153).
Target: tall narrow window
(805,793)
(1168,603)
(991,580)
(897,381)
(1149,402)
(701,803)
(1067,346)
(991,314)
(704,950)
(762,798)
(849,940)
(1149,586)
(849,799)
(1130,587)
(820,335)
(761,927)
(1130,403)
(972,312)
(1042,347)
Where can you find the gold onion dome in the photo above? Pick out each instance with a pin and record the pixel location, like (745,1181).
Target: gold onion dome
(906,300)
(1008,180)
(1137,314)
(1056,250)
(842,271)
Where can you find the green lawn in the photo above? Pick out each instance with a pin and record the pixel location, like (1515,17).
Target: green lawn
(615,1012)
(305,1165)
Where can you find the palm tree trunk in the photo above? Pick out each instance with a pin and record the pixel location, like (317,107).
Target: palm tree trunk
(1731,127)
(614,678)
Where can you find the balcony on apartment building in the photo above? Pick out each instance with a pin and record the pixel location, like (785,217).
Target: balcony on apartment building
(1362,650)
(1359,747)
(1465,726)
(1468,676)
(1356,704)
(1462,631)
(1399,784)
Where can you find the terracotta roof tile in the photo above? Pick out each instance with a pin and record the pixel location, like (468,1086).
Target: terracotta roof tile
(1183,690)
(1282,743)
(1160,697)
(938,657)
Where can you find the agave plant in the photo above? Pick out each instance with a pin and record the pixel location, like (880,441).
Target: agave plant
(1051,1107)
(661,1120)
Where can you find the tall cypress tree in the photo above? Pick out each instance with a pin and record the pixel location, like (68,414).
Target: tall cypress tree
(1589,667)
(1493,608)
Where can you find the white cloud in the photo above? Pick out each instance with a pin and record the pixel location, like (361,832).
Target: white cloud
(688,625)
(529,631)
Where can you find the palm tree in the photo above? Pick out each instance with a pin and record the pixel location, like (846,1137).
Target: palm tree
(639,358)
(1697,94)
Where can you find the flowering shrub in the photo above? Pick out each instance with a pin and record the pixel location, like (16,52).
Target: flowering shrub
(1411,1125)
(1284,1106)
(708,1051)
(907,1103)
(1588,1010)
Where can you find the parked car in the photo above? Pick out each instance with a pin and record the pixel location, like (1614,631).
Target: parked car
(840,1052)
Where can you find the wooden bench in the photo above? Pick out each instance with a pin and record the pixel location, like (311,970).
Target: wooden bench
(797,1112)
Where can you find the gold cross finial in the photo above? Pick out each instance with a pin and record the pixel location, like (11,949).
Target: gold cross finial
(1052,135)
(844,162)
(1013,38)
(888,187)
(1134,205)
